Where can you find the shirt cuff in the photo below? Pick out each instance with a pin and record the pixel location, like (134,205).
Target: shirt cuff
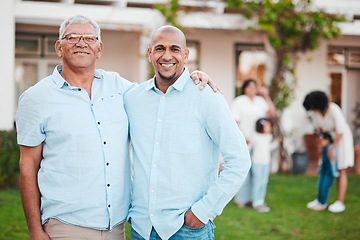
(200,212)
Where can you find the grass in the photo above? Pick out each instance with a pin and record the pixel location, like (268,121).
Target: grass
(288,219)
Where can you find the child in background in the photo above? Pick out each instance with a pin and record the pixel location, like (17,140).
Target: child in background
(262,143)
(327,170)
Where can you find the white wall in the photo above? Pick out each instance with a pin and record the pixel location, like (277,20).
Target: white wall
(311,74)
(7,90)
(217,54)
(121,54)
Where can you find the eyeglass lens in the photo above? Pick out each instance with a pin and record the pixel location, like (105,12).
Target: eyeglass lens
(74,38)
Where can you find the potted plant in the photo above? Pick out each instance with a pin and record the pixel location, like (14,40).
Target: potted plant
(295,145)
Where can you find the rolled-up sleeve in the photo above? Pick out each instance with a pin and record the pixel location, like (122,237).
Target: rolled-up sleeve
(29,124)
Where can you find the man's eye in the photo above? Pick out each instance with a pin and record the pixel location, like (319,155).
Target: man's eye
(90,39)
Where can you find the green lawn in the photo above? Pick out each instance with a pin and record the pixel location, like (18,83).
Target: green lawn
(288,219)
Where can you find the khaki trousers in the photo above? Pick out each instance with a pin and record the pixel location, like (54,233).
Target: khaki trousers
(58,230)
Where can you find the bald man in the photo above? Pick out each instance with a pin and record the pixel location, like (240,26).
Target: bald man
(177,134)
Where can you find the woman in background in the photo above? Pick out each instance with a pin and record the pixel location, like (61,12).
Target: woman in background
(327,116)
(253,103)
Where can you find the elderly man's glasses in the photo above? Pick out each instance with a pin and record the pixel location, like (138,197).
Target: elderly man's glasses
(73,38)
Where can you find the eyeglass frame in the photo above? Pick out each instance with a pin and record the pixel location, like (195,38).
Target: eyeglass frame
(80,36)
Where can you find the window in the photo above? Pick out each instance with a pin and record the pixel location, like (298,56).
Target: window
(35,45)
(251,61)
(348,57)
(194,55)
(27,45)
(35,58)
(336,57)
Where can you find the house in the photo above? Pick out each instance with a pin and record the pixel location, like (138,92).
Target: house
(219,45)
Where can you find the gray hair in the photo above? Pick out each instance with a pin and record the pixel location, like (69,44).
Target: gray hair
(78,19)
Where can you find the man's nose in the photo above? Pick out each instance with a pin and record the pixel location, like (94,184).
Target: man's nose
(81,42)
(167,54)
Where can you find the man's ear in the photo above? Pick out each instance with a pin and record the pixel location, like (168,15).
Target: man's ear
(149,54)
(58,49)
(186,55)
(100,50)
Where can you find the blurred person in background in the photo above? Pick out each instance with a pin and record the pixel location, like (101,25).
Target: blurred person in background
(262,144)
(327,172)
(253,103)
(327,116)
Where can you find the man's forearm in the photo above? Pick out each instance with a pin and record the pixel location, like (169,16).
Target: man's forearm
(30,197)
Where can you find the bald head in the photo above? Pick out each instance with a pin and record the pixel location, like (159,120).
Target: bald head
(168,54)
(168,29)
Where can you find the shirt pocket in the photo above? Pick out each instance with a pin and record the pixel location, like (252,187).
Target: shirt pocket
(114,105)
(185,138)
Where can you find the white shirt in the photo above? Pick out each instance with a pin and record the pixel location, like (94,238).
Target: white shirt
(335,123)
(262,145)
(246,112)
(177,138)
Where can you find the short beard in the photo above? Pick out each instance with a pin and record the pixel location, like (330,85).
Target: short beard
(170,78)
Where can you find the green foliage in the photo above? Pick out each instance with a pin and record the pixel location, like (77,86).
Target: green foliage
(170,12)
(9,158)
(292,27)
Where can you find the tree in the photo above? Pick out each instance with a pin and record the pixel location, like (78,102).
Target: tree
(170,12)
(292,27)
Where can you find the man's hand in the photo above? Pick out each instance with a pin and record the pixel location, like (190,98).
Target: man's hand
(198,76)
(39,236)
(191,221)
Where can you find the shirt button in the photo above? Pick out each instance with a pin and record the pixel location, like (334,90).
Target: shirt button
(109,206)
(98,123)
(163,97)
(79,89)
(151,215)
(159,120)
(108,185)
(152,190)
(154,165)
(157,143)
(107,164)
(104,142)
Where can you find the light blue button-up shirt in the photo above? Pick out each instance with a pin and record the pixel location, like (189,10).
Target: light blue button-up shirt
(84,178)
(177,138)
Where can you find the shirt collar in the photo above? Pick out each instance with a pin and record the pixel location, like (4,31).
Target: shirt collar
(179,84)
(60,81)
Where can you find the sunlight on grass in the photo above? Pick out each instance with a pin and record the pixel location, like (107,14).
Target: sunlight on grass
(288,219)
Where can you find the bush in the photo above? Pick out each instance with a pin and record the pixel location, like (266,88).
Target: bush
(9,159)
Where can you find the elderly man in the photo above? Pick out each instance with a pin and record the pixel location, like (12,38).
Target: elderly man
(74,146)
(178,134)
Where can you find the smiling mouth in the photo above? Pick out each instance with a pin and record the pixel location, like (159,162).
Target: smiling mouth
(167,64)
(82,53)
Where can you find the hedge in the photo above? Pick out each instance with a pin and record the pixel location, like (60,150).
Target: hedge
(9,159)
